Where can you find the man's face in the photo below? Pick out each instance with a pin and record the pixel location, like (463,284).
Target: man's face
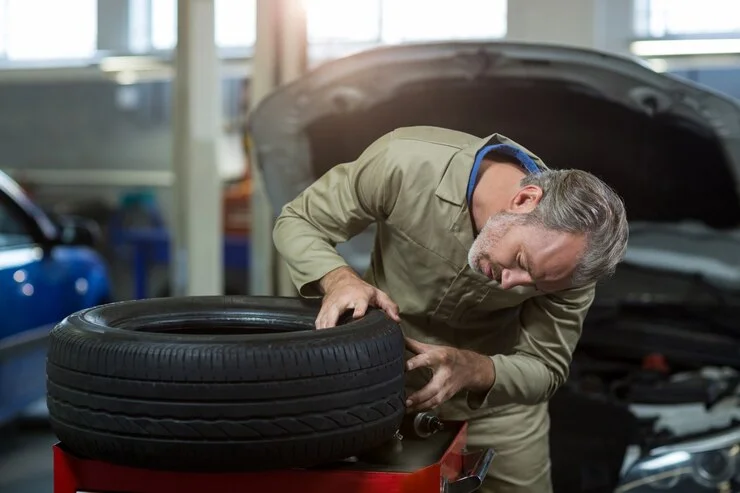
(514,253)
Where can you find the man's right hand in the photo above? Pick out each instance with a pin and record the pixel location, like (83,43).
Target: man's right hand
(345,290)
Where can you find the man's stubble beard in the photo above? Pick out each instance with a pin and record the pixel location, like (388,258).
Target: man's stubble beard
(488,239)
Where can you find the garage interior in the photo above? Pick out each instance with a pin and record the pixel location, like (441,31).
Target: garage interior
(161,138)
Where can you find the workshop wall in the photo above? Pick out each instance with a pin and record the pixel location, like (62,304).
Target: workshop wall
(84,125)
(91,124)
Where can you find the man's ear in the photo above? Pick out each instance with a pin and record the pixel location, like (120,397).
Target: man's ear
(525,199)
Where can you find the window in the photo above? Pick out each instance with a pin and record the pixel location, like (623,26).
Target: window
(3,21)
(676,18)
(398,21)
(48,29)
(235,23)
(164,24)
(360,20)
(344,21)
(421,20)
(13,231)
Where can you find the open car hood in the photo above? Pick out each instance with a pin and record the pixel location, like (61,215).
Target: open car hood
(669,147)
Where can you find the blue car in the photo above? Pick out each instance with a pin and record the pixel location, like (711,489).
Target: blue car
(48,270)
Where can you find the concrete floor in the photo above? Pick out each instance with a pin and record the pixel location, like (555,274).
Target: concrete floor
(25,458)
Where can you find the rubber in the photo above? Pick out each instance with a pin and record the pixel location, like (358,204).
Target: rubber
(132,384)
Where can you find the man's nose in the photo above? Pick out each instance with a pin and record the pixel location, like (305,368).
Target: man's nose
(512,278)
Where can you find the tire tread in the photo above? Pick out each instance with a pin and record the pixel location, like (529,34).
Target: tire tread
(145,400)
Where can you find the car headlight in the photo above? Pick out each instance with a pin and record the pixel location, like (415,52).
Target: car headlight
(710,463)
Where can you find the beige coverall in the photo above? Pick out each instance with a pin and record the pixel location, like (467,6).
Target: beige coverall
(412,183)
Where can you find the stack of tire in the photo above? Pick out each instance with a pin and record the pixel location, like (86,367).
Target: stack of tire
(223,383)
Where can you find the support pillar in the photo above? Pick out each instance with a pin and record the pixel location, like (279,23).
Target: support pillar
(197,246)
(264,79)
(293,63)
(280,56)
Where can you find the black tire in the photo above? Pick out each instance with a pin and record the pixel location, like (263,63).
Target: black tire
(139,384)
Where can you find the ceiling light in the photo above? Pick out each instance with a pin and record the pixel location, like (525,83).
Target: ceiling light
(675,47)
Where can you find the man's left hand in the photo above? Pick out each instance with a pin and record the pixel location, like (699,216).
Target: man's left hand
(454,370)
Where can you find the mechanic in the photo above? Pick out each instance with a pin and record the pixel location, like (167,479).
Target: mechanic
(487,258)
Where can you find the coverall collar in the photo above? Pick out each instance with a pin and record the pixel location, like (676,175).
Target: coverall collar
(452,186)
(458,181)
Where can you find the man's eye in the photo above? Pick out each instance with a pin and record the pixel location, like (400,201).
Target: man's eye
(520,263)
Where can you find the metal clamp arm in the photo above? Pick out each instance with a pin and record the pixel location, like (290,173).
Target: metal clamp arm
(475,468)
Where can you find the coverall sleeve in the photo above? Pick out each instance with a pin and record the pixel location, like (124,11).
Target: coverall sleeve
(339,205)
(549,329)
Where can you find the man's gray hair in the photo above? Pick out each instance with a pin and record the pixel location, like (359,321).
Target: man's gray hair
(575,201)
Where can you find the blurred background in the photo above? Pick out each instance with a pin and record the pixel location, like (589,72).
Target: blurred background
(86,89)
(124,137)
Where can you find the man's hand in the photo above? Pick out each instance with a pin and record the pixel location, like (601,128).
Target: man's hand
(454,370)
(345,290)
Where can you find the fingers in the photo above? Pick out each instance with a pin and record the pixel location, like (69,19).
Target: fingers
(422,395)
(358,301)
(431,395)
(360,308)
(332,310)
(387,305)
(416,346)
(427,360)
(430,403)
(328,316)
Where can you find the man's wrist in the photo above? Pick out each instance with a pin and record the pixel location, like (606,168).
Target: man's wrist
(483,372)
(334,276)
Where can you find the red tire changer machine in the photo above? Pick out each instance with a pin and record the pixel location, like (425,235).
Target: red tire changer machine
(426,456)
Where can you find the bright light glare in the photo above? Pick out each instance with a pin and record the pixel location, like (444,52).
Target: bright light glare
(421,20)
(342,20)
(50,29)
(398,21)
(164,24)
(18,258)
(669,460)
(235,23)
(3,27)
(658,64)
(336,21)
(671,47)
